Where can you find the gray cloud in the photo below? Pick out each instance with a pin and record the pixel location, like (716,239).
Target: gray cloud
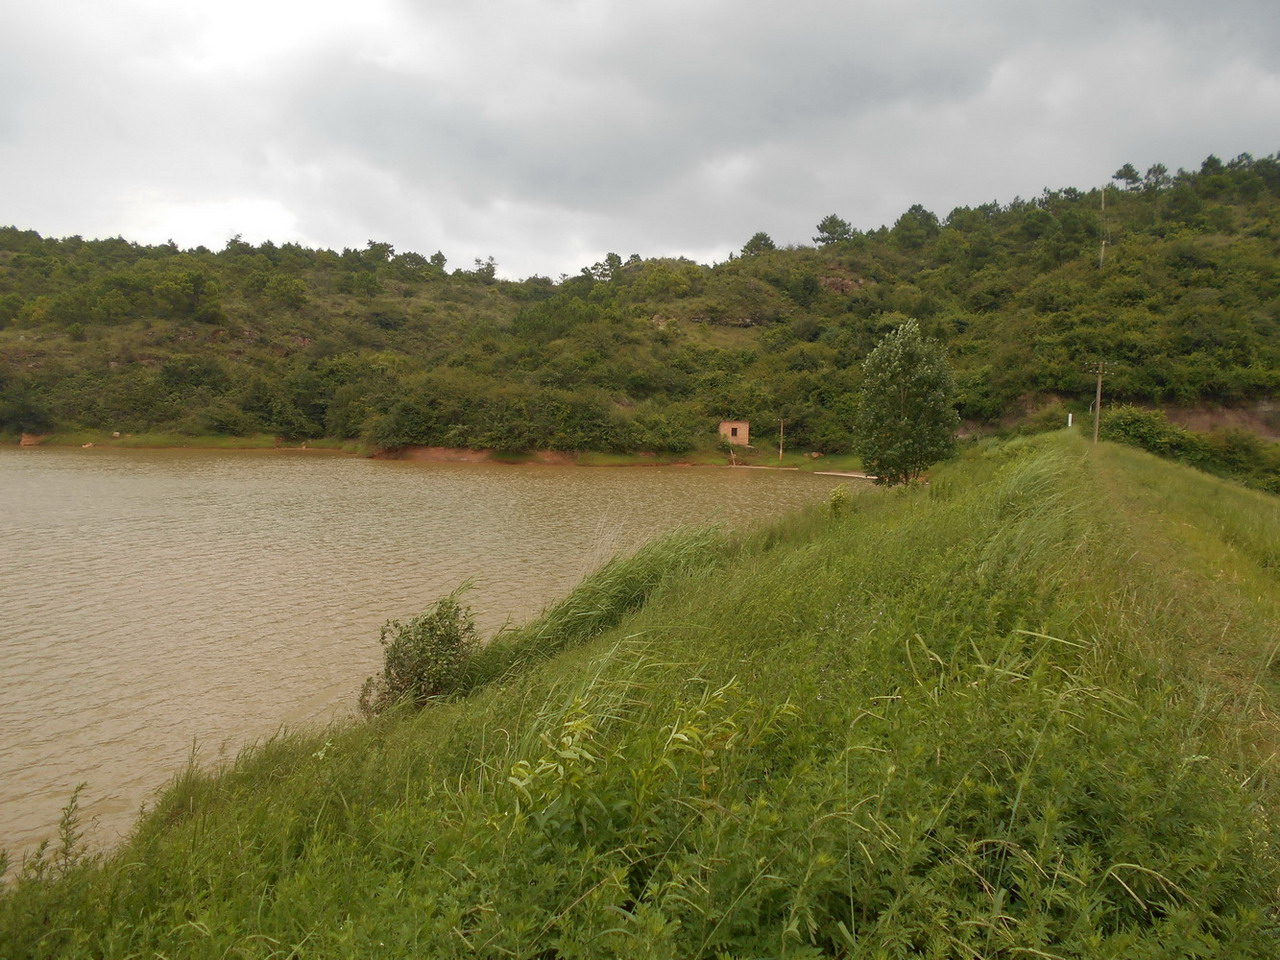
(547,132)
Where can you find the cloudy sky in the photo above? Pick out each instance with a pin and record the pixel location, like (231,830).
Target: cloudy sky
(547,132)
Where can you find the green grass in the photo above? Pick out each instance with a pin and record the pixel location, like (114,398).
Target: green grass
(1025,711)
(1210,553)
(758,456)
(834,461)
(152,441)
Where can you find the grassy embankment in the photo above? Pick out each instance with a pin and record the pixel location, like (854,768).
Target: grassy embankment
(1023,712)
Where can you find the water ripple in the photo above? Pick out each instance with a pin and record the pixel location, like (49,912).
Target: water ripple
(158,599)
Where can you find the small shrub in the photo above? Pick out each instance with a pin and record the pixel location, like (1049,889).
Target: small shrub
(1148,429)
(423,657)
(1235,449)
(839,501)
(1050,417)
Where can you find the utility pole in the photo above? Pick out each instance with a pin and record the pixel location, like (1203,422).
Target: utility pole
(1097,404)
(779,441)
(1102,229)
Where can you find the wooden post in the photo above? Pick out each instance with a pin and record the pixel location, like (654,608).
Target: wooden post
(779,441)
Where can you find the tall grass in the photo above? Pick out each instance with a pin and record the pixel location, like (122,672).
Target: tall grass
(974,720)
(598,603)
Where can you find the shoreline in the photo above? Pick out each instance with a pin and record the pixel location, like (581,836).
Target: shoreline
(840,464)
(88,439)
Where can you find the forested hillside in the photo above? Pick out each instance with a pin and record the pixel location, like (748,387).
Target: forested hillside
(1174,281)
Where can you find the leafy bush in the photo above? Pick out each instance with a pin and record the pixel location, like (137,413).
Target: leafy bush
(423,657)
(1148,429)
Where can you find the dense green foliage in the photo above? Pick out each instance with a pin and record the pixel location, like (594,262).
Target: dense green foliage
(391,348)
(1023,712)
(423,657)
(905,420)
(1229,453)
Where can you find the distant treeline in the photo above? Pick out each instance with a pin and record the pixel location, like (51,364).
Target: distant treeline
(1176,286)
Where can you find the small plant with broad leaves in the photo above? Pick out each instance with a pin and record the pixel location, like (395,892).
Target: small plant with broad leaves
(839,502)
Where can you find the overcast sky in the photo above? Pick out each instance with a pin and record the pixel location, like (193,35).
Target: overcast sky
(548,132)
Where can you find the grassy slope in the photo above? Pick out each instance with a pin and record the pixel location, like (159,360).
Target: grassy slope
(1023,712)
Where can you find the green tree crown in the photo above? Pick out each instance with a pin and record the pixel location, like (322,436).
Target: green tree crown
(915,227)
(905,417)
(1128,175)
(759,243)
(832,229)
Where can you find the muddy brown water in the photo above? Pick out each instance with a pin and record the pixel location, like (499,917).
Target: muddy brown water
(156,602)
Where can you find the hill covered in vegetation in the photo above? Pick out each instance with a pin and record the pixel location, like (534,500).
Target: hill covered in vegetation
(1028,710)
(1174,281)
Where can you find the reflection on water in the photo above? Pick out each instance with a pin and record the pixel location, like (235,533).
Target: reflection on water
(154,600)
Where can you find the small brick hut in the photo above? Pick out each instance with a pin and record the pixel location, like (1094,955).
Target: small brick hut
(737,432)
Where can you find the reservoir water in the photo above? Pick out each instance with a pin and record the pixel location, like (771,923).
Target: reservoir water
(160,602)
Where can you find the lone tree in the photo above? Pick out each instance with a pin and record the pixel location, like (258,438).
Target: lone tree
(759,243)
(833,229)
(1128,175)
(905,417)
